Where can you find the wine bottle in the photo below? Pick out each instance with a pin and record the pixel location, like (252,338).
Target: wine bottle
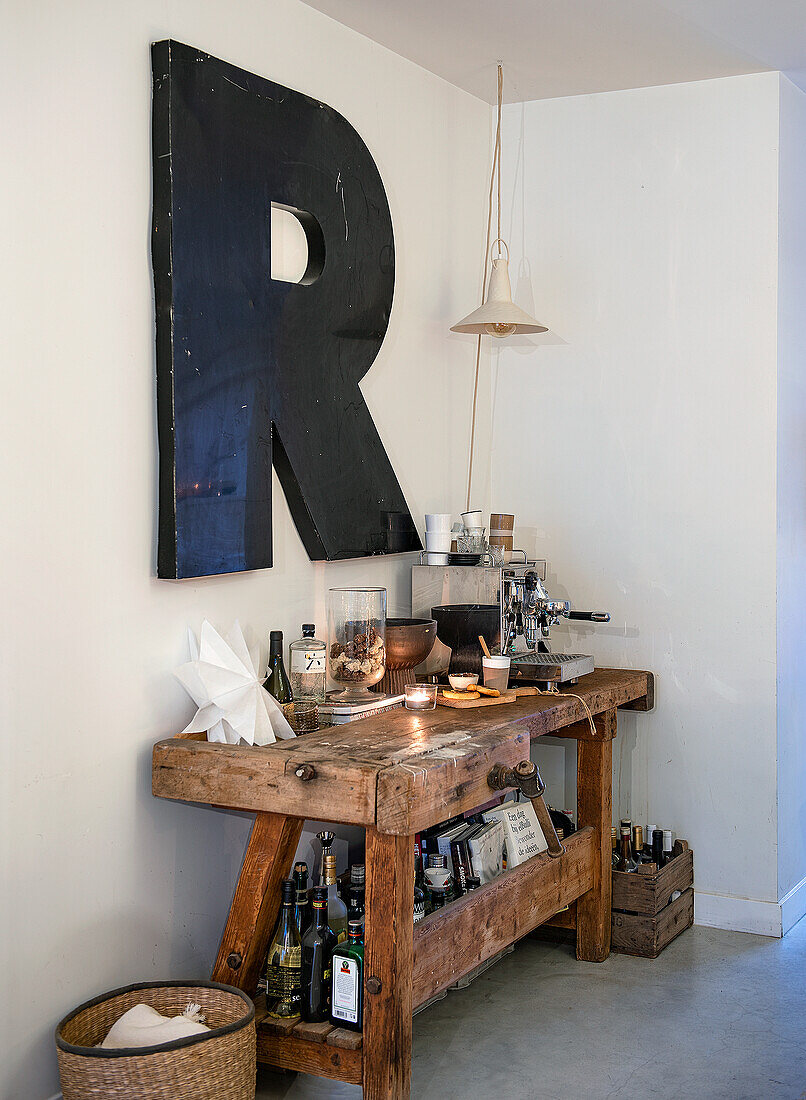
(284,961)
(657,847)
(355,908)
(347,999)
(277,682)
(302,908)
(615,855)
(336,909)
(317,950)
(667,846)
(626,862)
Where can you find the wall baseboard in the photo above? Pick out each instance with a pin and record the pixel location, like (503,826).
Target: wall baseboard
(793,906)
(738,914)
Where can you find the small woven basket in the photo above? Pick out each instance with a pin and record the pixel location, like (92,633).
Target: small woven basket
(217,1065)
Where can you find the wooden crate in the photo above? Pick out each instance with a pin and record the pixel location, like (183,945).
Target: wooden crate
(645,919)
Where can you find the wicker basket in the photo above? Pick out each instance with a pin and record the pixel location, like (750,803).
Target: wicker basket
(216,1065)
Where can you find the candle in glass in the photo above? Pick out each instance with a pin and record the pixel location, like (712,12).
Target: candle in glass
(421,696)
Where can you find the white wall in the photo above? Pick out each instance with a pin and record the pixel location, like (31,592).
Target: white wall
(792,505)
(644,227)
(103,884)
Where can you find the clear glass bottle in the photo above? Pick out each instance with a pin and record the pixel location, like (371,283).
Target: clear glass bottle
(307,667)
(302,908)
(615,855)
(347,1000)
(284,961)
(317,950)
(336,909)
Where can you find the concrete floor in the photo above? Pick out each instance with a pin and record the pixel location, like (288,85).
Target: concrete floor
(719,1016)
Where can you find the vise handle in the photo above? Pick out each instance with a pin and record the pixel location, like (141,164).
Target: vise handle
(525,776)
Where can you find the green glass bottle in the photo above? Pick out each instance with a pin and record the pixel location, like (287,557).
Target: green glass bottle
(277,682)
(284,961)
(347,998)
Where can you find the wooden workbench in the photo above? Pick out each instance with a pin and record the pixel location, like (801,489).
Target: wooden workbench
(397,774)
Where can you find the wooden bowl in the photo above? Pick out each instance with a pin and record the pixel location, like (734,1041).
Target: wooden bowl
(408,643)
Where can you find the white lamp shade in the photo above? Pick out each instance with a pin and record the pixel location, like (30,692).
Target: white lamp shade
(499,311)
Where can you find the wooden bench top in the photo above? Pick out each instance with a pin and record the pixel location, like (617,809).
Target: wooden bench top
(400,771)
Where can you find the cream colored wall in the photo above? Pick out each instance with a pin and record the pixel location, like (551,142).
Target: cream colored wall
(644,225)
(102,884)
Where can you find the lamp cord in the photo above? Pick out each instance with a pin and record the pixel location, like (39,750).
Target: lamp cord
(496,170)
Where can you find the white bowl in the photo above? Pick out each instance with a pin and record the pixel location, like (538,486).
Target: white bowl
(462,681)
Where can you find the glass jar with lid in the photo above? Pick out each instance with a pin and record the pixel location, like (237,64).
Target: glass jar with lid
(356,622)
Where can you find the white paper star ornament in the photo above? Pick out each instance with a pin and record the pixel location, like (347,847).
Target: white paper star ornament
(223,680)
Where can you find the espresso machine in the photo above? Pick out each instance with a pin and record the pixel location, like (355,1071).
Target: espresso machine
(526,613)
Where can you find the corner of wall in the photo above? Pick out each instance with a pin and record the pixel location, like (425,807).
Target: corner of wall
(791,505)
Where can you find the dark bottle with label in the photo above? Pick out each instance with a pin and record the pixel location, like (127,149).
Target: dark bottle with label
(347,998)
(317,950)
(277,682)
(284,961)
(302,908)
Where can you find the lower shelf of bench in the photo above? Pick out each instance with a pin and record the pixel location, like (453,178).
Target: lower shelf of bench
(311,1048)
(447,945)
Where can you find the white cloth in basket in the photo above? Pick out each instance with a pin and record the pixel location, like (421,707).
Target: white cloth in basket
(143,1026)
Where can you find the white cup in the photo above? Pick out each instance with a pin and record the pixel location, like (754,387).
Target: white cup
(438,541)
(438,521)
(495,671)
(471,519)
(436,559)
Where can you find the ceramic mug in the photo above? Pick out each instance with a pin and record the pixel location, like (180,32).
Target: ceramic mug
(438,541)
(438,521)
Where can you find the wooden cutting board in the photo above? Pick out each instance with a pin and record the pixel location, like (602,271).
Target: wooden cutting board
(483,701)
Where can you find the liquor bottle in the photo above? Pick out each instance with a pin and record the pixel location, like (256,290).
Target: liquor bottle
(626,862)
(657,847)
(615,855)
(317,949)
(276,682)
(302,908)
(307,667)
(355,909)
(419,892)
(284,961)
(650,829)
(336,909)
(347,999)
(638,852)
(667,846)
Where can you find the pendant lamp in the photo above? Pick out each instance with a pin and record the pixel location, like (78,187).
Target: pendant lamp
(498,316)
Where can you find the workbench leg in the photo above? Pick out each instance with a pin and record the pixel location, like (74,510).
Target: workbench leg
(256,903)
(388,962)
(594,807)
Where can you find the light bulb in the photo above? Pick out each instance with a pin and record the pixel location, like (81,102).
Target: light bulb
(500,329)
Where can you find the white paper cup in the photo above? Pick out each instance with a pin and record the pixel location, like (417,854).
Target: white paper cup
(438,521)
(438,541)
(436,559)
(495,671)
(471,519)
